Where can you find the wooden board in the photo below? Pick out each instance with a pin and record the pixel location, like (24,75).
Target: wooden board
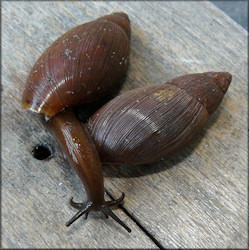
(196,199)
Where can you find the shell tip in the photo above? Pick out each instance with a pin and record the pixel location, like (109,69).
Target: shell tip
(121,14)
(121,19)
(223,80)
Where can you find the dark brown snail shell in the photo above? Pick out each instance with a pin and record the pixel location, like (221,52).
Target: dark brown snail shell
(146,124)
(80,66)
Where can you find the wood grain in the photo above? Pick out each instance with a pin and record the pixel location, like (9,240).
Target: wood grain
(197,198)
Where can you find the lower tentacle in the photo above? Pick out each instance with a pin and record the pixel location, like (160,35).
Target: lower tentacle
(76,205)
(115,202)
(86,215)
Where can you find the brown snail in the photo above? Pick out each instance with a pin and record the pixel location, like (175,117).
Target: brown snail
(146,124)
(80,67)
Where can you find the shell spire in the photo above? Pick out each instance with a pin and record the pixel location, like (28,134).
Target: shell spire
(121,19)
(222,79)
(208,88)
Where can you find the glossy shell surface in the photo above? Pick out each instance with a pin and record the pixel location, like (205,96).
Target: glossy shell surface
(147,124)
(80,66)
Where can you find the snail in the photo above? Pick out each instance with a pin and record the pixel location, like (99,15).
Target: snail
(79,67)
(147,124)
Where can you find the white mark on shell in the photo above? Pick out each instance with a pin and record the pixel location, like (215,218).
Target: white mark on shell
(68,53)
(70,92)
(76,36)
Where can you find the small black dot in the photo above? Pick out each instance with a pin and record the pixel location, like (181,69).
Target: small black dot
(42,151)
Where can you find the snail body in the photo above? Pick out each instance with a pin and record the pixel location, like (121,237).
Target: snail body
(146,124)
(80,67)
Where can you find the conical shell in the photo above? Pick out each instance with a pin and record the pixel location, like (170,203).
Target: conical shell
(147,124)
(80,66)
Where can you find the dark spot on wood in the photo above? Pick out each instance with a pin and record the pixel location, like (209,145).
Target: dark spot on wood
(42,151)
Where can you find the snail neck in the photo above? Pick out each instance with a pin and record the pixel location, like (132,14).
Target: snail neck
(81,153)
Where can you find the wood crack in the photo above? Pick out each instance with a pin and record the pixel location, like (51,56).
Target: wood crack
(143,229)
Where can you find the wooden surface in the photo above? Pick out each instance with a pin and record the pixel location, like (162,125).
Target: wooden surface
(197,198)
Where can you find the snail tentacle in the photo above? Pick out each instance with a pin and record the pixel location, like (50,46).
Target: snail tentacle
(86,215)
(107,211)
(115,202)
(76,205)
(85,210)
